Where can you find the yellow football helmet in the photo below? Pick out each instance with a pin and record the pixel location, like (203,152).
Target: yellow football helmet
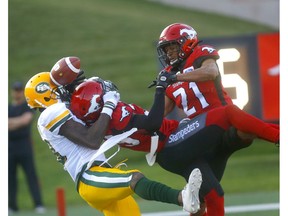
(40,92)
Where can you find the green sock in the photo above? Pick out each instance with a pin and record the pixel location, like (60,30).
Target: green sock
(151,190)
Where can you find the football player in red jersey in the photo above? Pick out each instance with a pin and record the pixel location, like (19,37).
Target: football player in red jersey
(197,89)
(180,148)
(179,50)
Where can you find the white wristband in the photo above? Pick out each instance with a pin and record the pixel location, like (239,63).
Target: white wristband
(107,111)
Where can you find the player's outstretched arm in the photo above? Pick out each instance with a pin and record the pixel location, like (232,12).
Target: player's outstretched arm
(153,121)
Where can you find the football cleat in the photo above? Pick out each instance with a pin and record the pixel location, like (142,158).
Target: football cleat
(190,193)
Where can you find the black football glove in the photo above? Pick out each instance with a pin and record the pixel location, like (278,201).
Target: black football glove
(107,85)
(153,83)
(110,86)
(164,79)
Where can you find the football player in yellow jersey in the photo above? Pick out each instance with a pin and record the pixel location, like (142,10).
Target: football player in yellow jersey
(106,189)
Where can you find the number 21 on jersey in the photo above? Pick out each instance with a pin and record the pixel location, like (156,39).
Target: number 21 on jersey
(181,92)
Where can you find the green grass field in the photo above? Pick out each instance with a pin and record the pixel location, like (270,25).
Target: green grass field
(115,40)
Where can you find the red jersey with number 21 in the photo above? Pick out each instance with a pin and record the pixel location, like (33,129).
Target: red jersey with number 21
(195,98)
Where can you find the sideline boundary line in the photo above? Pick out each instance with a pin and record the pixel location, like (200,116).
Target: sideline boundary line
(228,209)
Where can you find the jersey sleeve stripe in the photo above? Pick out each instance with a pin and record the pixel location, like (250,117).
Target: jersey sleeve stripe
(58,120)
(62,121)
(107,179)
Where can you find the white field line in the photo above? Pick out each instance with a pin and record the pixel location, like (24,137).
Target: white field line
(229,209)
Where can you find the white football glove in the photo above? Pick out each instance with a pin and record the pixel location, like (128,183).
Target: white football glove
(110,100)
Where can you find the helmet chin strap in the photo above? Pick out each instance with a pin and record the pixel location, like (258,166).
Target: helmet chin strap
(42,105)
(174,61)
(180,59)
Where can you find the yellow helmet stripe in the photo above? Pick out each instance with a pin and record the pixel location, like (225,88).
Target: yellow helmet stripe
(58,120)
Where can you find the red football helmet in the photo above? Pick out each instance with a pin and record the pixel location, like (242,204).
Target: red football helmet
(181,34)
(87,101)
